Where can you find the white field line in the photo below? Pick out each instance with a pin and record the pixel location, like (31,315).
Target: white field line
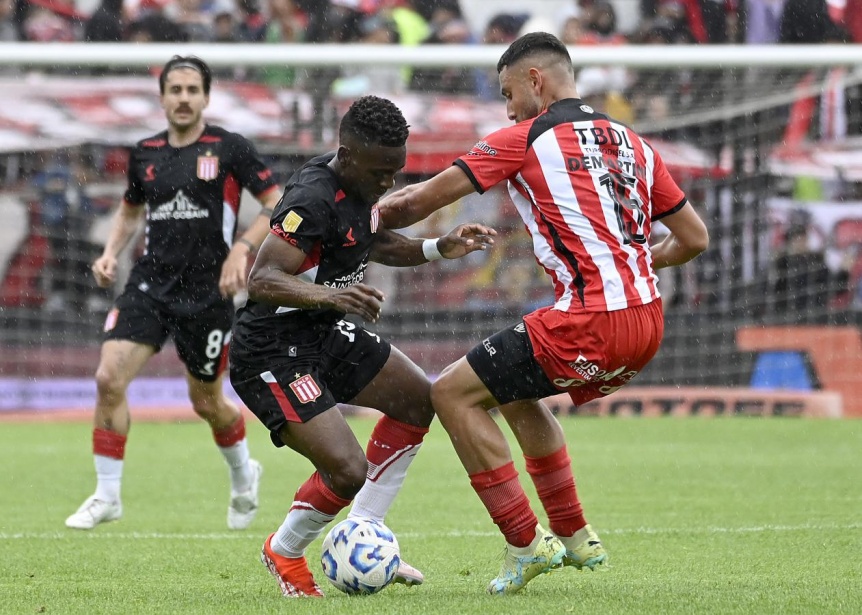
(755,529)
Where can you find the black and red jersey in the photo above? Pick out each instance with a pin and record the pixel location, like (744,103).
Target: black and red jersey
(192,195)
(336,231)
(588,189)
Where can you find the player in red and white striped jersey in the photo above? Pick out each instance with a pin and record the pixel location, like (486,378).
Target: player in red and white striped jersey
(588,190)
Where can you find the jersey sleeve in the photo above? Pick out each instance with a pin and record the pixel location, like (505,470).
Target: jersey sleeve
(249,168)
(134,194)
(300,218)
(497,157)
(667,197)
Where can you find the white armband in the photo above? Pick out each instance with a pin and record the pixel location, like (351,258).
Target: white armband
(429,249)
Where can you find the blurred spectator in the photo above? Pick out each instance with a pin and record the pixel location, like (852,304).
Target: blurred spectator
(805,22)
(154,26)
(106,23)
(52,22)
(191,19)
(252,23)
(225,28)
(802,283)
(502,29)
(412,27)
(286,25)
(359,80)
(600,26)
(572,31)
(8,28)
(67,213)
(763,21)
(448,27)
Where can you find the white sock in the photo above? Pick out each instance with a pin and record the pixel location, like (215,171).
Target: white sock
(382,484)
(109,473)
(237,458)
(301,526)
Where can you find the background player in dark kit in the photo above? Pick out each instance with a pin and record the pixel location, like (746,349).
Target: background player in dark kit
(185,184)
(588,189)
(294,357)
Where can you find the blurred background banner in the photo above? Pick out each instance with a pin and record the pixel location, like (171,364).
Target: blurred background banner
(756,107)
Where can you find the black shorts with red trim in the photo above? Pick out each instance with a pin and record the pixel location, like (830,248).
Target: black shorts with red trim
(505,364)
(201,339)
(333,368)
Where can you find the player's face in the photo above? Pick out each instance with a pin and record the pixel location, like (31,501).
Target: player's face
(369,170)
(184,99)
(519,87)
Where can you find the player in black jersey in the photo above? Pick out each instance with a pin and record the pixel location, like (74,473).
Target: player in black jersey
(185,182)
(294,356)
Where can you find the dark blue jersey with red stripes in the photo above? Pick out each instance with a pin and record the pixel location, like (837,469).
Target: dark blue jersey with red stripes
(336,231)
(192,195)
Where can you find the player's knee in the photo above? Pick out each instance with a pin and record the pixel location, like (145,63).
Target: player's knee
(109,385)
(349,476)
(443,392)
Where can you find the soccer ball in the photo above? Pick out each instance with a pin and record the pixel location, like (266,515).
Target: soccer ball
(360,556)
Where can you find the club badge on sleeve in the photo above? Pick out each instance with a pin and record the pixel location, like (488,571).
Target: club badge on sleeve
(291,222)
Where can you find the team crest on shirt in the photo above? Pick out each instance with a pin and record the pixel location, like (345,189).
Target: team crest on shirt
(375,218)
(207,167)
(291,222)
(111,320)
(305,388)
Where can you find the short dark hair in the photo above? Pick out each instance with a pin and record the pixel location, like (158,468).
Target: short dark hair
(193,62)
(374,120)
(533,43)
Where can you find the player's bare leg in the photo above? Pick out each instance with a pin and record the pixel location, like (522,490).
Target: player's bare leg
(119,363)
(329,443)
(401,391)
(462,402)
(228,428)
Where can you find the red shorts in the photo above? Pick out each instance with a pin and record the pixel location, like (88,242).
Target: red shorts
(592,354)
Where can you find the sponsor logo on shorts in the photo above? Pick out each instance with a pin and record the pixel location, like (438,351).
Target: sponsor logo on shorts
(111,320)
(305,388)
(487,344)
(207,167)
(291,222)
(291,351)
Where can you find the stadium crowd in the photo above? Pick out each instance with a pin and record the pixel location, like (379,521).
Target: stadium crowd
(411,22)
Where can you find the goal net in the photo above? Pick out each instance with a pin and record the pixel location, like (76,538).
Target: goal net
(764,141)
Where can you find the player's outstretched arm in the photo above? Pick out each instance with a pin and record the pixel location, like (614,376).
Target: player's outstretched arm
(688,237)
(125,224)
(396,250)
(235,267)
(416,202)
(272,280)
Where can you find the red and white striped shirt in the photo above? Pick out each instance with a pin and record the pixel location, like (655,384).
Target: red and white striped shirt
(587,189)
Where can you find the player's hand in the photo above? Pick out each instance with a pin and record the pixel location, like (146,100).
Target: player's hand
(104,270)
(359,299)
(234,272)
(466,238)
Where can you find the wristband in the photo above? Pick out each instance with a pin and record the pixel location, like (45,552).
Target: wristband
(246,242)
(430,250)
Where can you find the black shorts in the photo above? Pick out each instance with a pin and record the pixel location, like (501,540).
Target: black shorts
(201,339)
(334,368)
(505,363)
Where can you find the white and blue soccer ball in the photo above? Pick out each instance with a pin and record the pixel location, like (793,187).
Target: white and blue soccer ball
(360,556)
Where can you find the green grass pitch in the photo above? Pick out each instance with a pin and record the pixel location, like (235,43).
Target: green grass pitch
(699,516)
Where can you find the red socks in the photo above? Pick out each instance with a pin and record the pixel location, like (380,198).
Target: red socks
(508,505)
(232,434)
(555,485)
(108,444)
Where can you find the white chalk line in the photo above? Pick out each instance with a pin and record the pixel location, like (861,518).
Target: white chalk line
(754,529)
